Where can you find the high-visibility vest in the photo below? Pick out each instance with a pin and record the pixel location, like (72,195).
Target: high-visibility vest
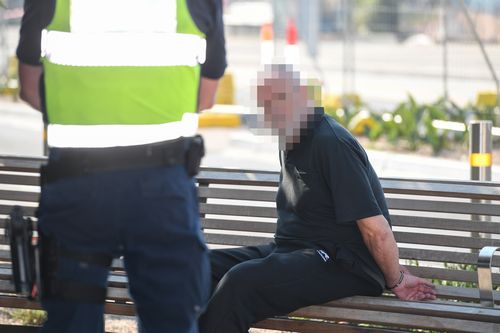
(121,72)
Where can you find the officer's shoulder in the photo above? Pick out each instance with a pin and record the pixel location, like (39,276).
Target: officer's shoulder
(205,4)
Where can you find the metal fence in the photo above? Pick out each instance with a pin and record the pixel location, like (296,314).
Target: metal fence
(386,49)
(407,18)
(426,21)
(402,18)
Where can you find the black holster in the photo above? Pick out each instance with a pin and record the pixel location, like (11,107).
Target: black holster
(195,151)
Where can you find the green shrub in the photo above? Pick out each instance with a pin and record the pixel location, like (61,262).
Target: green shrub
(411,125)
(29,317)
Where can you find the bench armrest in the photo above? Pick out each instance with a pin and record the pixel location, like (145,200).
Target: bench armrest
(484,275)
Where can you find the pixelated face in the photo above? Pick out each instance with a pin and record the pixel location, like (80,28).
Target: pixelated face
(279,98)
(286,103)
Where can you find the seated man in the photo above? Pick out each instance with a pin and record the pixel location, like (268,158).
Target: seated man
(333,236)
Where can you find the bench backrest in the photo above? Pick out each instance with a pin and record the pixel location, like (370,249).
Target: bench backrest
(440,226)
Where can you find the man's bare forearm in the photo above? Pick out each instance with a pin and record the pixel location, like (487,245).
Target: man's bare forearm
(208,90)
(380,241)
(29,83)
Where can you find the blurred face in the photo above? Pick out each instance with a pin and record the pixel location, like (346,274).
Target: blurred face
(287,103)
(280,99)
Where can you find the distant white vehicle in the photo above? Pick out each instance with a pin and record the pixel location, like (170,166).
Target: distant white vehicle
(248,13)
(420,40)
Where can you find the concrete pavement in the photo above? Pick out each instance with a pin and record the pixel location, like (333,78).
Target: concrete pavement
(21,129)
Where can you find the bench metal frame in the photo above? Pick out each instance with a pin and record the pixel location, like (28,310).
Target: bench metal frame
(484,263)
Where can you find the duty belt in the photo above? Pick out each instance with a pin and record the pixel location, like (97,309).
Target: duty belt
(75,162)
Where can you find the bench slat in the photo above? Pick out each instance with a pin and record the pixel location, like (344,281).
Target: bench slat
(18,329)
(31,180)
(236,240)
(247,178)
(302,326)
(445,240)
(419,308)
(450,274)
(399,219)
(463,294)
(113,293)
(19,196)
(236,225)
(237,210)
(472,190)
(22,303)
(447,182)
(116,265)
(444,206)
(442,256)
(21,163)
(5,209)
(397,319)
(236,194)
(5,255)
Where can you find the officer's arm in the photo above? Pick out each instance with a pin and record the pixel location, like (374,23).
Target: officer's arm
(37,15)
(208,89)
(215,64)
(29,84)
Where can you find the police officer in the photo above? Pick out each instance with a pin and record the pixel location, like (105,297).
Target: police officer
(119,84)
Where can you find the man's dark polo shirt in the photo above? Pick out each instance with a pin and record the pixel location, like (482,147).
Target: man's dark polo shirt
(207,15)
(327,184)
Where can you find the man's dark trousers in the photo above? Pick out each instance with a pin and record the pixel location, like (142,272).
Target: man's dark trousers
(149,216)
(253,283)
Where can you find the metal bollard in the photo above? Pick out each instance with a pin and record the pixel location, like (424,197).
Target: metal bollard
(480,150)
(480,160)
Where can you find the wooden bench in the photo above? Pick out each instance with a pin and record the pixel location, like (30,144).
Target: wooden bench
(440,227)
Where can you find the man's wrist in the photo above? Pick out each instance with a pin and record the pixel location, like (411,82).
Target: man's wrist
(397,283)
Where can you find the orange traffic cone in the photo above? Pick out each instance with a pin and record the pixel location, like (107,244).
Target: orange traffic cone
(267,43)
(291,47)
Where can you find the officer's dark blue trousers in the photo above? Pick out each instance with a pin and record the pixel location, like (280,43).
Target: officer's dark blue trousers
(150,217)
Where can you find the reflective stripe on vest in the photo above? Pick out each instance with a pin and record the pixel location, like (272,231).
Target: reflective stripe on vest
(102,136)
(122,49)
(121,72)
